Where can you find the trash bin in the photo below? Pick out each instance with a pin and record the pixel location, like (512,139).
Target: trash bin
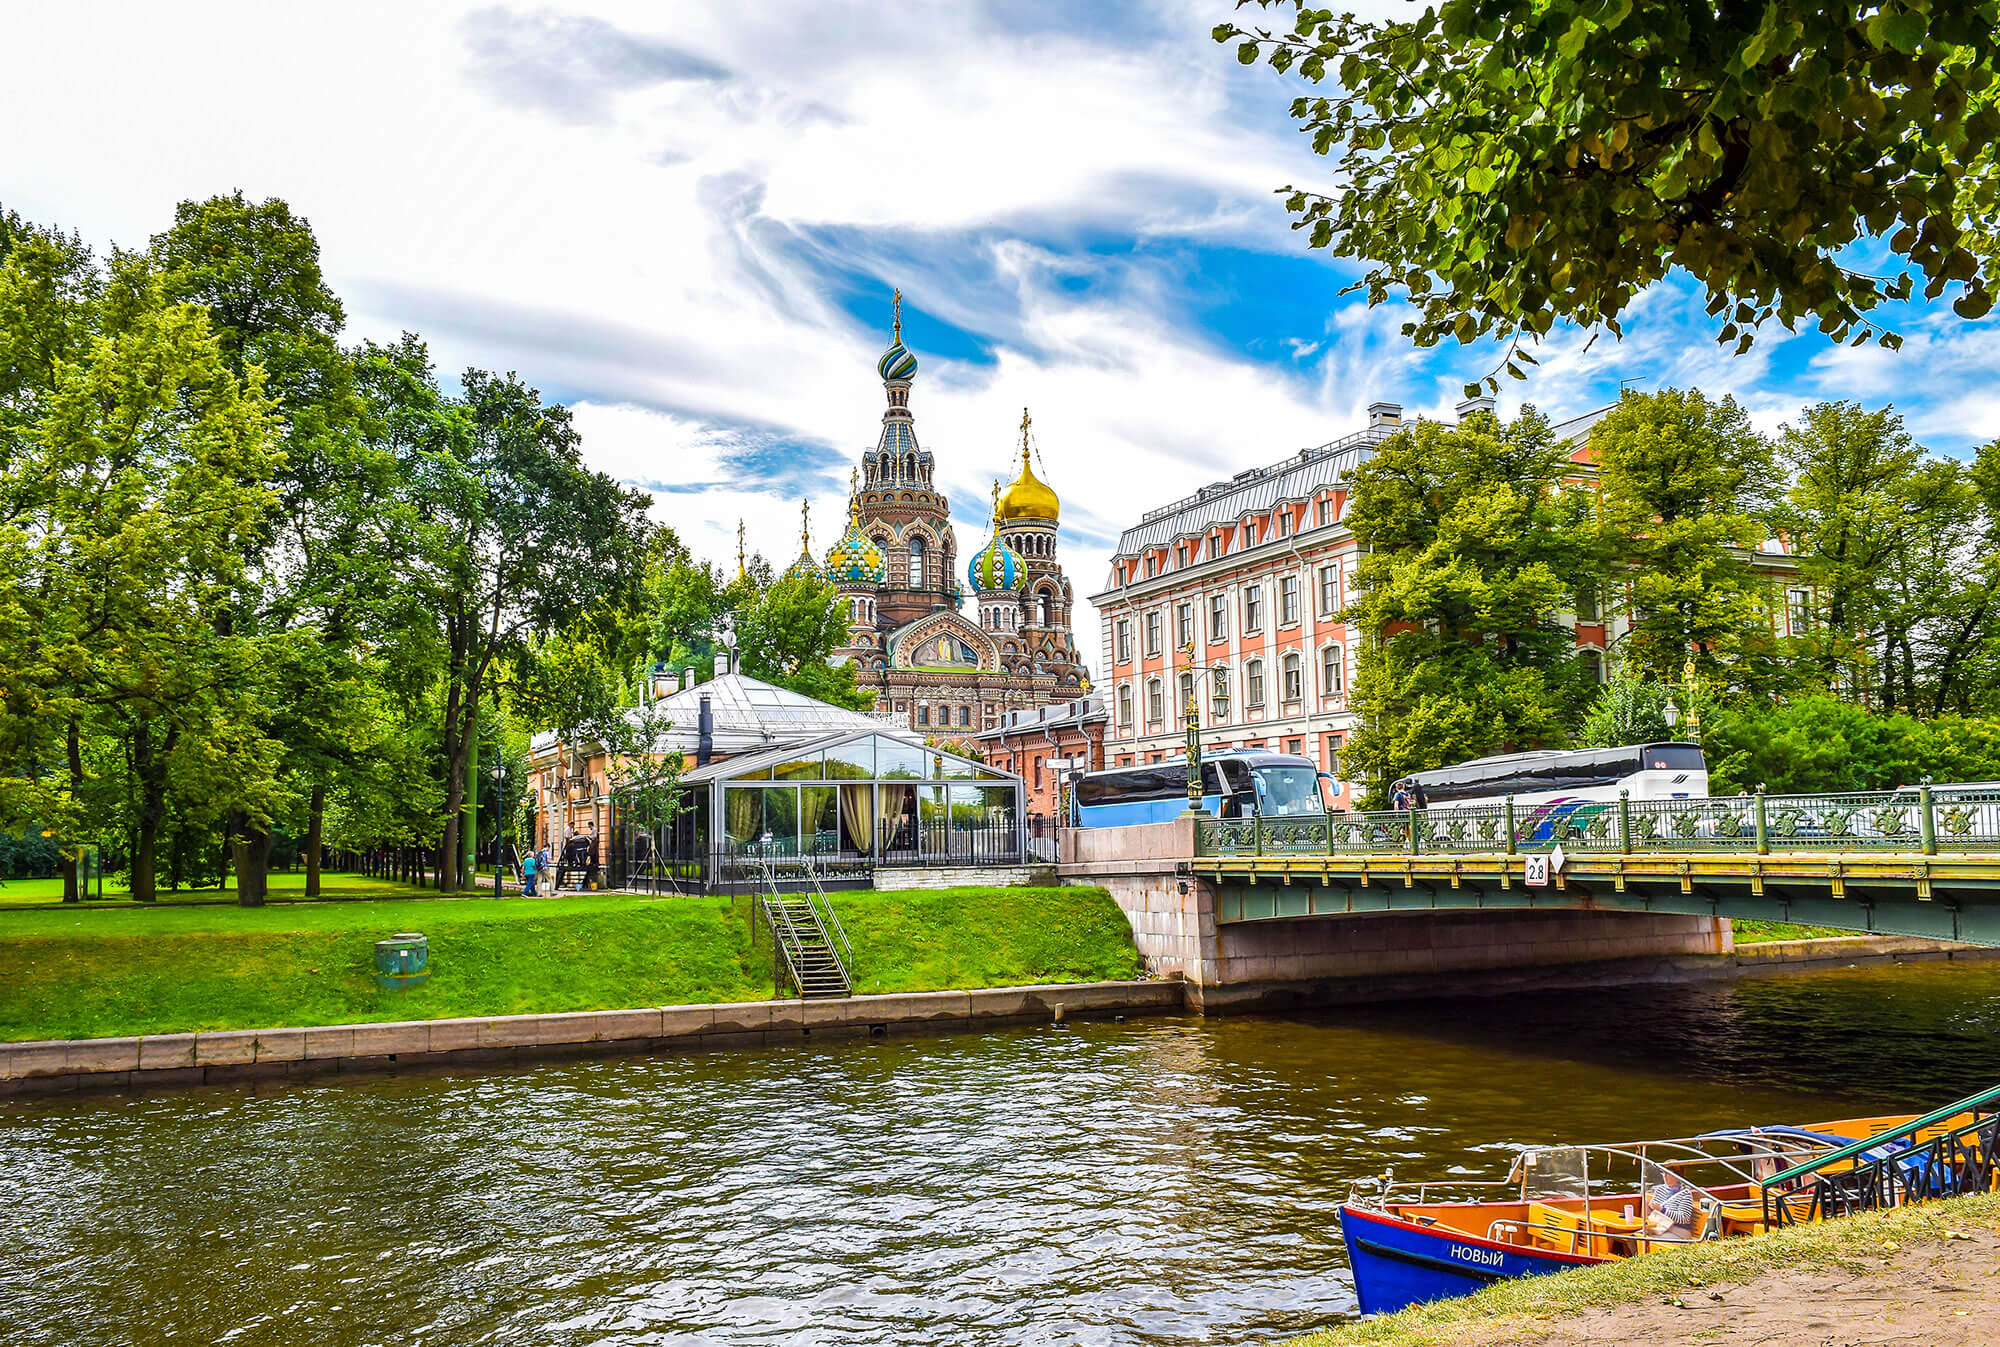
(402,961)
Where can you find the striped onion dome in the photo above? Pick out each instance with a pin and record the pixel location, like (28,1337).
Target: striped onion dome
(997,566)
(897,364)
(855,559)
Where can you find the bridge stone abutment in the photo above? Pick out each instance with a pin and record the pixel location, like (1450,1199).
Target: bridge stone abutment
(1326,960)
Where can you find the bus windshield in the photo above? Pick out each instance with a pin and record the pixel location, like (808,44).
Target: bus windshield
(1288,790)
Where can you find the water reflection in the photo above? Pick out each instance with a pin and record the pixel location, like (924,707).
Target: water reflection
(1151,1182)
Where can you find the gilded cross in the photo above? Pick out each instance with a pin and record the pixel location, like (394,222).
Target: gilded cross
(898,307)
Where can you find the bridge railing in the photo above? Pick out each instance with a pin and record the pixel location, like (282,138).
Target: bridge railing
(1913,819)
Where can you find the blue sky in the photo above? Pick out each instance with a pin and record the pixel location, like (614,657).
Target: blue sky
(685,220)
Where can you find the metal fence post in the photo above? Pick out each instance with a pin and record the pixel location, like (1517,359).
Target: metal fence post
(1411,823)
(1625,821)
(1510,825)
(1927,818)
(1763,828)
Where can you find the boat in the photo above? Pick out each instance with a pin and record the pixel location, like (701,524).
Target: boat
(1562,1207)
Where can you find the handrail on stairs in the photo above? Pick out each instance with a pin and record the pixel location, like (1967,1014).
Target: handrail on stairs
(812,873)
(1895,1167)
(783,933)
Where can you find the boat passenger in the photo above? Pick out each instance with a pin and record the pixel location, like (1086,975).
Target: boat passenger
(1670,1207)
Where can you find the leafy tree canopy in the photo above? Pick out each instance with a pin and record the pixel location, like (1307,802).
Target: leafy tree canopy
(1509,164)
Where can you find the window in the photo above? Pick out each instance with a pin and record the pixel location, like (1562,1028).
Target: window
(1249,532)
(1798,611)
(923,715)
(1187,694)
(1284,519)
(1124,640)
(1586,604)
(1183,625)
(916,563)
(1332,758)
(1297,746)
(1329,590)
(1124,703)
(1155,700)
(1253,680)
(1038,773)
(1593,664)
(1218,695)
(1288,600)
(965,715)
(1153,632)
(1218,617)
(1216,545)
(1291,689)
(1253,608)
(1332,672)
(1325,510)
(1181,554)
(1150,567)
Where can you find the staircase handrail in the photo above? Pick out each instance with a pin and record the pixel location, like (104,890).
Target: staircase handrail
(1909,1129)
(812,873)
(783,934)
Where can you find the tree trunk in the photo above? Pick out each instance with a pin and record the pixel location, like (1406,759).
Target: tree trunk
(72,886)
(250,847)
(315,830)
(150,773)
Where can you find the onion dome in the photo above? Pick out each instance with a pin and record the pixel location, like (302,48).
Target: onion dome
(805,567)
(897,365)
(996,566)
(1029,497)
(855,559)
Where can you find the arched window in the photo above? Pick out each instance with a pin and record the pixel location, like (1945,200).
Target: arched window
(1593,665)
(1155,700)
(1042,608)
(1253,685)
(1124,703)
(1292,688)
(1332,672)
(916,563)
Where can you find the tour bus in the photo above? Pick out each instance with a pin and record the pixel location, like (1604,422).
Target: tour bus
(1237,783)
(1671,771)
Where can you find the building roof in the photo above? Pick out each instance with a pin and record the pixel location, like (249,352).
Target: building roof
(733,768)
(1082,711)
(1299,477)
(749,715)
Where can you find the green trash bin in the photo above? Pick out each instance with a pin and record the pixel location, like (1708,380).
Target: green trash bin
(402,961)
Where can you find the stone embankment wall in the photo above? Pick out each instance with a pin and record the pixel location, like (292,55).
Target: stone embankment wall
(1323,960)
(172,1060)
(969,877)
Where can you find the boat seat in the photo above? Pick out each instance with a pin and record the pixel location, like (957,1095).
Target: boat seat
(1557,1229)
(1742,1218)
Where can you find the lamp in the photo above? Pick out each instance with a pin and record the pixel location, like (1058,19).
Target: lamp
(1671,713)
(499,774)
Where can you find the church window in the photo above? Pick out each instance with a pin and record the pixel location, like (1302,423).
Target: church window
(916,563)
(965,715)
(923,715)
(1042,608)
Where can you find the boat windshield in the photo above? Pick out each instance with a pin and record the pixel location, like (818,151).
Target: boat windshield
(1554,1172)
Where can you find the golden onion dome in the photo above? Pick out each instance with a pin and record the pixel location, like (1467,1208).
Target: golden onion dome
(1028,497)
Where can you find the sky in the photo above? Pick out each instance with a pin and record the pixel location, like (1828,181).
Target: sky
(685,221)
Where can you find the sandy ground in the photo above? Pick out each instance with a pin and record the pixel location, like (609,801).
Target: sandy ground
(1947,1294)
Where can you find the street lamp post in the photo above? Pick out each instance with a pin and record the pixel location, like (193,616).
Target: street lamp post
(1193,714)
(499,828)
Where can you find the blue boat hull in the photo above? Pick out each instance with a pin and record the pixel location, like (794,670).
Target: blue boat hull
(1398,1263)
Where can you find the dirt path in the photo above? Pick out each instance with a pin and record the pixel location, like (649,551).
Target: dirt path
(1944,1294)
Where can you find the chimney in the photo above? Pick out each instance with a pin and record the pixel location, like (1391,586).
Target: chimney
(1385,414)
(687,678)
(1482,403)
(663,681)
(721,663)
(705,745)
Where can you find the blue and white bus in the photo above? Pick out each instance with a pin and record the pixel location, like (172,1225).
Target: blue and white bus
(1669,771)
(1234,784)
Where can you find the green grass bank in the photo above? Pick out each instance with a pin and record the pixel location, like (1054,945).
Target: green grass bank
(69,973)
(283,886)
(1534,1308)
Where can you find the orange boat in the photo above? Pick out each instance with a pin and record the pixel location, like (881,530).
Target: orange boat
(1569,1206)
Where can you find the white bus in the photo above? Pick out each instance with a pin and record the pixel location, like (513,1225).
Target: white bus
(1670,771)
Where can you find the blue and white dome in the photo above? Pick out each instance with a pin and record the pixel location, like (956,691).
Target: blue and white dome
(997,567)
(897,365)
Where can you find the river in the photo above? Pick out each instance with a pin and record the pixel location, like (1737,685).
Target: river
(1143,1182)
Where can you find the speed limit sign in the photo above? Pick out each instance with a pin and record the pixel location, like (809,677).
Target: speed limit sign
(1538,871)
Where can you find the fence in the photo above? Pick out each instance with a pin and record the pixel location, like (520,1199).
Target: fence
(638,861)
(1923,818)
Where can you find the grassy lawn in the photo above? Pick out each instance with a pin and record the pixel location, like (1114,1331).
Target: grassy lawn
(290,885)
(84,973)
(1524,1308)
(1759,932)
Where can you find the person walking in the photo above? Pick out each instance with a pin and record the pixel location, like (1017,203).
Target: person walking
(543,859)
(528,864)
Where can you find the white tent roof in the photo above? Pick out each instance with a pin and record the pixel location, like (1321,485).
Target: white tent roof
(749,714)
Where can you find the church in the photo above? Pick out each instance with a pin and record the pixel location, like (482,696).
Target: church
(930,665)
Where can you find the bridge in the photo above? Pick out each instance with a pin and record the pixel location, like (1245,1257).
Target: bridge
(1270,911)
(1918,862)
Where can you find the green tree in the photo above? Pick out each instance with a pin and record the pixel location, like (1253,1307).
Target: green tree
(1512,164)
(1685,483)
(788,632)
(1475,550)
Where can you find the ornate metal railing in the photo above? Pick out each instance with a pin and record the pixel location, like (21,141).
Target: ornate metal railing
(1918,819)
(1943,1154)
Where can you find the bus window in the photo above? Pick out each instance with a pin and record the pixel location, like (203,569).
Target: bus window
(1288,790)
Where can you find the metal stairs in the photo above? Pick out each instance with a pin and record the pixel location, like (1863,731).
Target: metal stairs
(810,940)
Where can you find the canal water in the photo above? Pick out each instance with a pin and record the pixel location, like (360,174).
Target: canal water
(1147,1182)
